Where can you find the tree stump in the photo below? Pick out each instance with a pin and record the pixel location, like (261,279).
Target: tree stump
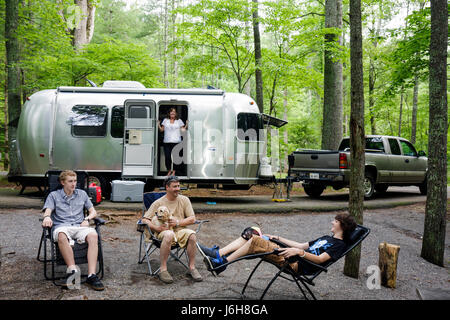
(388,257)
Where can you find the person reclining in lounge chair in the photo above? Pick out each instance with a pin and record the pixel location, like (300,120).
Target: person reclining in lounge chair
(318,251)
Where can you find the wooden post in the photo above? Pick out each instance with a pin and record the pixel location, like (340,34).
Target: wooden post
(388,257)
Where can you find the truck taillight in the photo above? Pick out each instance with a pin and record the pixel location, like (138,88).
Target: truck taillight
(343,164)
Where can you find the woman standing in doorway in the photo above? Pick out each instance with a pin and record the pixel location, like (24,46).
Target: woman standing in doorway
(172,127)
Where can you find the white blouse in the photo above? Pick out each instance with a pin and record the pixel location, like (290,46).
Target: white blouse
(172,133)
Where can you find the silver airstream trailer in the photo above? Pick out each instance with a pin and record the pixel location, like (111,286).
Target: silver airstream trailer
(111,132)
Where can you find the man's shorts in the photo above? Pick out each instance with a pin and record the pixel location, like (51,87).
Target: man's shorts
(78,234)
(182,236)
(259,245)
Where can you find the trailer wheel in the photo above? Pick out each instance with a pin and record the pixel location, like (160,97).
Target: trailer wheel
(314,191)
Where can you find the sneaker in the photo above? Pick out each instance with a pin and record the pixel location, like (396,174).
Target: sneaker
(165,277)
(213,264)
(209,252)
(94,282)
(195,275)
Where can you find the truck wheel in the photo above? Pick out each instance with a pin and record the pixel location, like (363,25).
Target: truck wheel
(423,187)
(381,188)
(313,191)
(369,186)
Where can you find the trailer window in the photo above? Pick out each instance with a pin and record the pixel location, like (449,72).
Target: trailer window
(88,121)
(117,122)
(250,126)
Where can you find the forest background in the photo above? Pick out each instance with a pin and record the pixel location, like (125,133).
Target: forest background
(200,43)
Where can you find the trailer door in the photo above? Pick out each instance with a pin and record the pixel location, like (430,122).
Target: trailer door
(139,139)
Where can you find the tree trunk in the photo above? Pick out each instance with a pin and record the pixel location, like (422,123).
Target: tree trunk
(12,81)
(166,29)
(433,243)
(258,71)
(414,110)
(371,93)
(175,49)
(388,259)
(357,135)
(400,114)
(84,30)
(332,101)
(285,133)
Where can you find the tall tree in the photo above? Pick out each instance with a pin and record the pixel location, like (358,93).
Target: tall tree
(357,135)
(83,17)
(258,71)
(433,243)
(332,95)
(13,80)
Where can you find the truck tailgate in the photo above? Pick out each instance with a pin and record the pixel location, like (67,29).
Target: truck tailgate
(320,160)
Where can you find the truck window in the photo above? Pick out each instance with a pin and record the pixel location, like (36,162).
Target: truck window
(249,126)
(117,121)
(375,143)
(88,121)
(395,149)
(408,149)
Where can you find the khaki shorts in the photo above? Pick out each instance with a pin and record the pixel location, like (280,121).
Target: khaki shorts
(182,236)
(78,234)
(259,245)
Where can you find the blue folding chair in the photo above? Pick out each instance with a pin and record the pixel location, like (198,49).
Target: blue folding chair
(148,241)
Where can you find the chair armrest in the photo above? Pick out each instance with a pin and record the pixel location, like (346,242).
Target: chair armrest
(318,266)
(200,223)
(99,221)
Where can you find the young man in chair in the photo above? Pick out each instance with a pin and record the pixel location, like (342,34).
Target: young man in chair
(183,215)
(318,251)
(64,213)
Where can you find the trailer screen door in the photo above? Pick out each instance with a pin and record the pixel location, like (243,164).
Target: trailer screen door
(138,139)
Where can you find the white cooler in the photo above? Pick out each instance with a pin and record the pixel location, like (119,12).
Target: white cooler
(127,191)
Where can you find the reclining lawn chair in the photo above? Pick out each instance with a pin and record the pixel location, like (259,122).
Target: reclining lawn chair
(300,278)
(47,243)
(148,241)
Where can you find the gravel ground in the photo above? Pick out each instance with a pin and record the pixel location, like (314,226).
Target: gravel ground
(21,275)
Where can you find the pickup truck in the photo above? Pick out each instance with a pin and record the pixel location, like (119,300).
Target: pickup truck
(388,161)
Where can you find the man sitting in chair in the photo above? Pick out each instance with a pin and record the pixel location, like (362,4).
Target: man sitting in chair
(317,251)
(63,210)
(183,215)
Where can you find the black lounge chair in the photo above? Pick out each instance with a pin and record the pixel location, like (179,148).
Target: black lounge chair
(148,241)
(302,279)
(47,243)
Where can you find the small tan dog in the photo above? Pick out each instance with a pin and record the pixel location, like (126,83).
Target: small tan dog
(162,217)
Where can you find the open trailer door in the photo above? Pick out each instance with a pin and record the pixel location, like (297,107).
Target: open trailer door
(139,139)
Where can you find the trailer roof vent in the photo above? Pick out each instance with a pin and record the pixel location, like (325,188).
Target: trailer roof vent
(123,84)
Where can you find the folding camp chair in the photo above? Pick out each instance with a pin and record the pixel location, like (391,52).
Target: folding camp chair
(47,243)
(149,243)
(299,277)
